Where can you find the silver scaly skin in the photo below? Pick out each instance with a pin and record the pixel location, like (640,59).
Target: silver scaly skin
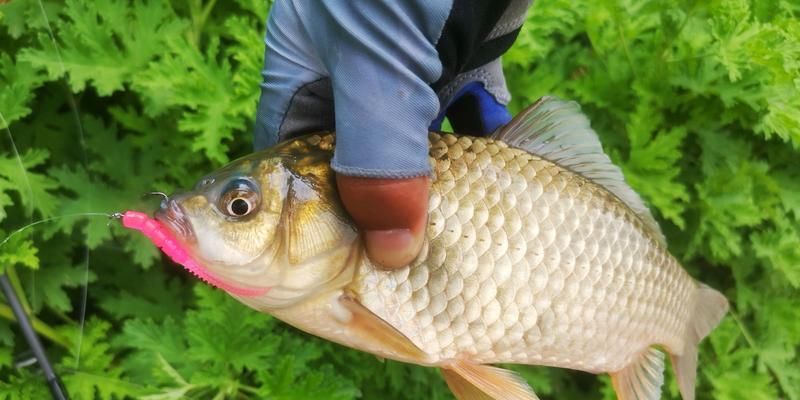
(530,263)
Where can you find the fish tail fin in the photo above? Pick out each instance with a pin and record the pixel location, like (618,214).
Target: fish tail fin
(710,307)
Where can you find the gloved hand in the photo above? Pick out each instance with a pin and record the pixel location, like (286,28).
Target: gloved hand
(381,73)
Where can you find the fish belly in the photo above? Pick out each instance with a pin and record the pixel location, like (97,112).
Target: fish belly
(529,263)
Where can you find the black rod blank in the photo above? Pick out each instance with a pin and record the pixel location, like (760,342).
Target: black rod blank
(33,340)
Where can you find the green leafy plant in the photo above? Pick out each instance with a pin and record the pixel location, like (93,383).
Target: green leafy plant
(102,101)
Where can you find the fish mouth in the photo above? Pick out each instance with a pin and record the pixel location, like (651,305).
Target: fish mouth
(171,214)
(173,218)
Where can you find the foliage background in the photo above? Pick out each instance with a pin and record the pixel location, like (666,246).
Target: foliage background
(696,100)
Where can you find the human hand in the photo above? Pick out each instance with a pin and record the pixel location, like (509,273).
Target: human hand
(395,69)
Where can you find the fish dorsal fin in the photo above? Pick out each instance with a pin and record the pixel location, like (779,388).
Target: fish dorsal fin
(558,131)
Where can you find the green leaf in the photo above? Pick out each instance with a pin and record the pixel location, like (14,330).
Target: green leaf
(240,326)
(91,365)
(24,385)
(104,42)
(778,246)
(726,212)
(652,164)
(19,249)
(19,16)
(57,274)
(18,81)
(204,87)
(131,292)
(33,188)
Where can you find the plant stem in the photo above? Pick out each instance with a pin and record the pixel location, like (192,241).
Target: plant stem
(199,18)
(745,332)
(782,380)
(15,282)
(206,12)
(40,327)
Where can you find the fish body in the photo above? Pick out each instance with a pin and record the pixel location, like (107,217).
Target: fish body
(534,254)
(527,262)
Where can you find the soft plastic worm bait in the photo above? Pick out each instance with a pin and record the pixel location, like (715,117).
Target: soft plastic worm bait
(163,238)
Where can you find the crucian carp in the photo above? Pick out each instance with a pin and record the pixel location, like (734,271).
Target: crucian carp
(537,252)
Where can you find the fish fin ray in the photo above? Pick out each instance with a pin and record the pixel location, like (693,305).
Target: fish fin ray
(371,327)
(642,379)
(476,381)
(558,131)
(462,389)
(710,307)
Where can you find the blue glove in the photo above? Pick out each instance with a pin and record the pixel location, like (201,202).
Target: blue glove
(395,70)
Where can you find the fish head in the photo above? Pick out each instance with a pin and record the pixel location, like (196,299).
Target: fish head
(268,228)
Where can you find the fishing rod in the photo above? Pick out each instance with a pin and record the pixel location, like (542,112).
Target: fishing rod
(33,340)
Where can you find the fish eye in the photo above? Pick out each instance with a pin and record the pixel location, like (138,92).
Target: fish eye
(239,199)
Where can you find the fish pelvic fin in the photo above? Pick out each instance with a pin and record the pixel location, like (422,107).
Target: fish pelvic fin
(470,381)
(642,379)
(710,307)
(372,329)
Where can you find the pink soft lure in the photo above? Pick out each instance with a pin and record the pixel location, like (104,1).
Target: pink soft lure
(166,241)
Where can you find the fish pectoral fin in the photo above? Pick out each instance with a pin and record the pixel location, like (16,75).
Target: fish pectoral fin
(371,328)
(470,381)
(642,379)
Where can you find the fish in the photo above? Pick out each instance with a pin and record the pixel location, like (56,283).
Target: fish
(537,252)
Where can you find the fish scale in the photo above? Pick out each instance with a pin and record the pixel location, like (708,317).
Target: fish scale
(527,262)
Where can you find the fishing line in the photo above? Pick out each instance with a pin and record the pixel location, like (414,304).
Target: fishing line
(74,108)
(53,381)
(58,217)
(82,311)
(19,160)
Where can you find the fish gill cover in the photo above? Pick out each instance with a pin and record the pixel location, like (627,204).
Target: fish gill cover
(101,101)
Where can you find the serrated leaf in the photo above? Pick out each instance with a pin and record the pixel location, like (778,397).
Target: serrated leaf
(131,292)
(24,385)
(18,249)
(779,247)
(724,211)
(221,317)
(94,197)
(33,188)
(50,284)
(651,167)
(17,16)
(91,366)
(195,80)
(18,81)
(104,42)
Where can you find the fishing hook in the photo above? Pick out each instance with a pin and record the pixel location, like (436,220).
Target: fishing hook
(164,196)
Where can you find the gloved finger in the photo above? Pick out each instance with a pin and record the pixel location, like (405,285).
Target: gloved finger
(295,94)
(392,213)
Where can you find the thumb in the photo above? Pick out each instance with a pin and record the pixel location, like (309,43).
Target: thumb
(392,213)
